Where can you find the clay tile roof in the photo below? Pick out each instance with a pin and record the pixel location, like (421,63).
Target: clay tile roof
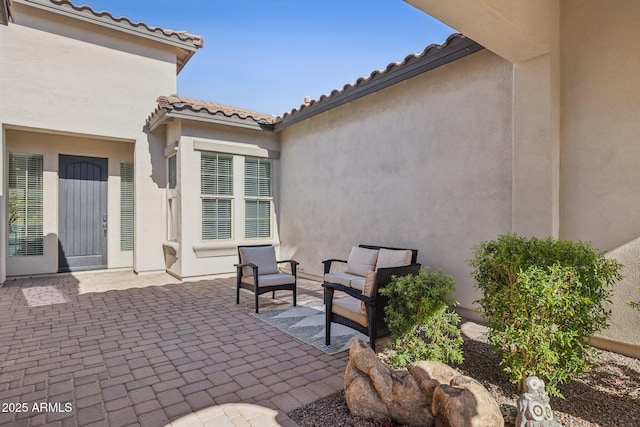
(181,103)
(184,36)
(432,50)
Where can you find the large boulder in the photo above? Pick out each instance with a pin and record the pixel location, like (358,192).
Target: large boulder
(362,398)
(427,394)
(430,374)
(465,403)
(387,392)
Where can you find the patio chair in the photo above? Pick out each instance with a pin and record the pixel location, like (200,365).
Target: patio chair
(258,272)
(369,269)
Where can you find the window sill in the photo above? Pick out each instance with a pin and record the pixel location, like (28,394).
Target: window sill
(227,248)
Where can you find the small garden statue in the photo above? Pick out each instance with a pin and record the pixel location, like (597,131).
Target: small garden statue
(533,406)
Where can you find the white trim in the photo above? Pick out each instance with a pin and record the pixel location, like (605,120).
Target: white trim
(235,149)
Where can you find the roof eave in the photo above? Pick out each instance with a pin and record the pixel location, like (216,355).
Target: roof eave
(182,57)
(122,26)
(164,115)
(458,48)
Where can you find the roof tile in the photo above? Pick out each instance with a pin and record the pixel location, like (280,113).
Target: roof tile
(184,36)
(408,60)
(180,103)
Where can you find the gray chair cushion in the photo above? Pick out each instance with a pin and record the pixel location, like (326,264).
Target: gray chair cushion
(361,261)
(271,279)
(341,278)
(262,256)
(393,258)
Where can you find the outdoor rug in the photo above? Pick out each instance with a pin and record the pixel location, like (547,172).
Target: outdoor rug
(306,323)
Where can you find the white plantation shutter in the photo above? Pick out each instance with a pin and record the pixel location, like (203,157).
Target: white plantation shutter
(216,174)
(126,206)
(258,197)
(216,219)
(25,204)
(216,183)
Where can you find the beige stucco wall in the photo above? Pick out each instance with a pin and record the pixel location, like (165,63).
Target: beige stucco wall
(51,146)
(600,149)
(577,93)
(423,164)
(58,74)
(196,257)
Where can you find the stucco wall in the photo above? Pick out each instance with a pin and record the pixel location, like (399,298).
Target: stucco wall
(203,258)
(58,74)
(423,164)
(600,150)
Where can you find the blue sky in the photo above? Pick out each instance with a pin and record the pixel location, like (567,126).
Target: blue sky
(268,55)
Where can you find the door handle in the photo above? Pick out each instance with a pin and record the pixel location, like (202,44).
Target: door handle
(104,224)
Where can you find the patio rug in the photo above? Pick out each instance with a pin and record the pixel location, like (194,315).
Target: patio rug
(306,323)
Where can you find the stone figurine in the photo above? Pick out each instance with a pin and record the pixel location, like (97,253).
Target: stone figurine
(534,409)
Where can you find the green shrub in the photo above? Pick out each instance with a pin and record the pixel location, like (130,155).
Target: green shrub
(422,326)
(542,299)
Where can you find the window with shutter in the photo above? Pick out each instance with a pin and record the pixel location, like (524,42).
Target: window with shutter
(216,187)
(258,197)
(126,206)
(25,205)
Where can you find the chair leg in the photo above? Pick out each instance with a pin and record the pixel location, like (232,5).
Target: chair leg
(273,295)
(327,329)
(372,336)
(294,296)
(257,300)
(237,294)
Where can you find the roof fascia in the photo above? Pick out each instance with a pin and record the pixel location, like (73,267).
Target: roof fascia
(203,116)
(459,49)
(109,23)
(157,120)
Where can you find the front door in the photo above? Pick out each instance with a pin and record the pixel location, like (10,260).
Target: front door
(82,208)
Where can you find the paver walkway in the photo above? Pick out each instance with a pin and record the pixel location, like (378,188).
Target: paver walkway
(112,348)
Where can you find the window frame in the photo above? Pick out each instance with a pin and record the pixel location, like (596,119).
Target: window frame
(259,197)
(211,192)
(32,192)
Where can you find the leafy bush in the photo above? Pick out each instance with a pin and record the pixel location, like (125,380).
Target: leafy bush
(542,299)
(422,326)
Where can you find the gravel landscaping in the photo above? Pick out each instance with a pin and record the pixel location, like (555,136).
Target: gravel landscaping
(607,395)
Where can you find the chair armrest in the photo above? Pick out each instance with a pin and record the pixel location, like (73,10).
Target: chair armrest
(356,293)
(246,264)
(293,264)
(327,264)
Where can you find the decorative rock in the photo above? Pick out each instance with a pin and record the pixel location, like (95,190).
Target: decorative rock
(534,409)
(433,370)
(392,393)
(416,396)
(362,399)
(465,402)
(431,374)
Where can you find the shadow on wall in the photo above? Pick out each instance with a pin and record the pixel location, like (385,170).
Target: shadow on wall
(155,147)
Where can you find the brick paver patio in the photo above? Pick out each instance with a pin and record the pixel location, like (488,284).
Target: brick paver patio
(116,349)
